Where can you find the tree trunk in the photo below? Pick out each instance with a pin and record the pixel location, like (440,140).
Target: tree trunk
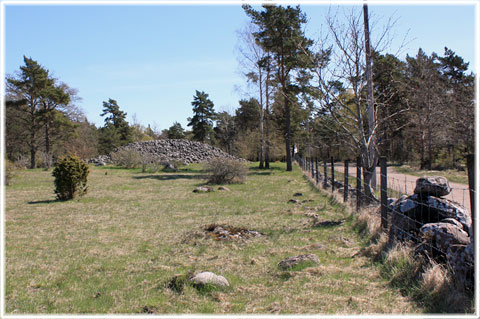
(287,133)
(266,118)
(47,146)
(261,120)
(33,152)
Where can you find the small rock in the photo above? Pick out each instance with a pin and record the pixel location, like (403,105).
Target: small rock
(203,189)
(298,194)
(295,260)
(207,277)
(223,188)
(326,223)
(295,201)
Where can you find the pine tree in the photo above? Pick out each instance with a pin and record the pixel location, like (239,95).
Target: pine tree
(281,34)
(116,131)
(202,120)
(176,131)
(27,92)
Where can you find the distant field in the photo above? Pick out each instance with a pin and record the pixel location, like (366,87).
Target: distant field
(116,249)
(453,176)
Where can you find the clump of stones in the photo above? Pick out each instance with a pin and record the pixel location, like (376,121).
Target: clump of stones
(444,226)
(169,151)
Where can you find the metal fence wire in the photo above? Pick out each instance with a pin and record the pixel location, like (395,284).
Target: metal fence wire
(418,210)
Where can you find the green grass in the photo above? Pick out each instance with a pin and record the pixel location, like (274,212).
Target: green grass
(115,249)
(454,176)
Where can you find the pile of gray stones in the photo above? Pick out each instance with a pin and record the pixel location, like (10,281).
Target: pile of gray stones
(168,150)
(441,228)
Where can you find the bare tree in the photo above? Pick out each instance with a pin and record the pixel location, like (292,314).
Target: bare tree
(255,64)
(340,76)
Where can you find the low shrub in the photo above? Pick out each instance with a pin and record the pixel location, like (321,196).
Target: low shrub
(127,158)
(226,171)
(70,177)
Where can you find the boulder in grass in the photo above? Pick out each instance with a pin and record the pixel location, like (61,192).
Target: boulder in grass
(203,189)
(432,186)
(223,188)
(297,260)
(209,278)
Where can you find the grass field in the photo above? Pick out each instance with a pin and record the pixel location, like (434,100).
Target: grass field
(453,176)
(116,249)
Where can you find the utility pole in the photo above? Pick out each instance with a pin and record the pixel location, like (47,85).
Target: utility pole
(370,107)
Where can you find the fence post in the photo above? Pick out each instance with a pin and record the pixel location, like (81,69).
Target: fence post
(471,187)
(316,169)
(325,181)
(345,182)
(333,174)
(383,187)
(359,182)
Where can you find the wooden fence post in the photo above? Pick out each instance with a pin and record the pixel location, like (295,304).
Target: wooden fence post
(316,169)
(325,181)
(471,187)
(359,182)
(345,182)
(383,187)
(333,174)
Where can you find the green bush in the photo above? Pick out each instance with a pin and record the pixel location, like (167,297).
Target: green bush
(226,171)
(70,177)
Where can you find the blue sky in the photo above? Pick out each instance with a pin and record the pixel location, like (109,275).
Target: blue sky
(151,59)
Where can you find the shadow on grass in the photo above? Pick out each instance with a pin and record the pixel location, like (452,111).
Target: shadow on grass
(168,177)
(48,201)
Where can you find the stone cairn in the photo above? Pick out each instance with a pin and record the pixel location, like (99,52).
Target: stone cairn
(441,228)
(169,151)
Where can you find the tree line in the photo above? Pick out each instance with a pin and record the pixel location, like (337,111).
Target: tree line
(305,96)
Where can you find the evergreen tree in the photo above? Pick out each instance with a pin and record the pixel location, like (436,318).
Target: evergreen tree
(246,116)
(116,131)
(202,120)
(26,92)
(281,34)
(225,131)
(176,131)
(460,99)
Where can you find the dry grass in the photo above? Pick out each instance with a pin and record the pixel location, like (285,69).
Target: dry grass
(116,249)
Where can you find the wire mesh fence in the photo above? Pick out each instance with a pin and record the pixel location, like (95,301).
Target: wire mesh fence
(407,212)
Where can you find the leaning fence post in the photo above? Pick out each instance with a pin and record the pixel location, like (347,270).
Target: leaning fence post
(333,173)
(345,182)
(383,187)
(316,169)
(359,182)
(471,187)
(325,181)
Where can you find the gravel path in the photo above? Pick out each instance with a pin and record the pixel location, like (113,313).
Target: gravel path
(406,183)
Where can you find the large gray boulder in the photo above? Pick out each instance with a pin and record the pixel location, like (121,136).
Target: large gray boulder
(210,278)
(443,235)
(432,186)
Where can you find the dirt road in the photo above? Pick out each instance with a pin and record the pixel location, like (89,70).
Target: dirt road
(405,184)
